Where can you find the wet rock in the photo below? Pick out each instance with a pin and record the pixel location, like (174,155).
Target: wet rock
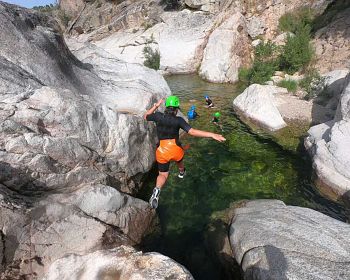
(257,103)
(226,48)
(273,241)
(328,145)
(121,263)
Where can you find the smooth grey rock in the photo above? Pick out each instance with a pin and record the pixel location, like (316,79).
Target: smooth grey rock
(93,217)
(121,263)
(72,139)
(330,149)
(257,103)
(180,38)
(226,47)
(273,241)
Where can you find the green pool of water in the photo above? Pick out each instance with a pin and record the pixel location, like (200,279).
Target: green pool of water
(246,166)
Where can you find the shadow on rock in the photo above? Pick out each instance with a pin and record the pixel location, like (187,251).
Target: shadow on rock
(276,266)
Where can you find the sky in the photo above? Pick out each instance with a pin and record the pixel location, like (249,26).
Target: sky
(30,3)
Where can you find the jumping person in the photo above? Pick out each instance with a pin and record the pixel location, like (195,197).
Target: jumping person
(209,102)
(169,148)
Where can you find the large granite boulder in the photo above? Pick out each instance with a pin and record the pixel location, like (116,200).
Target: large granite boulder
(36,231)
(257,103)
(180,38)
(123,263)
(72,144)
(73,114)
(329,147)
(273,241)
(227,47)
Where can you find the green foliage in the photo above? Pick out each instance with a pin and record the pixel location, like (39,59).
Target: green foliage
(262,72)
(264,65)
(265,51)
(297,53)
(290,85)
(152,58)
(293,21)
(313,83)
(46,8)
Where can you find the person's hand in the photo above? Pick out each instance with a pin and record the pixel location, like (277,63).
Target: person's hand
(218,137)
(158,103)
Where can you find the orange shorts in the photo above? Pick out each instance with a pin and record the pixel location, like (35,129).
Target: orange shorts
(168,151)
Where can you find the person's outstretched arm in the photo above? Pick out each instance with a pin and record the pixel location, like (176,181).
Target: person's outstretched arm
(206,134)
(151,111)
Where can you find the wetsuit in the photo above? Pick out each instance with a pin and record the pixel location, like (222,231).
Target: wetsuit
(209,102)
(169,147)
(215,120)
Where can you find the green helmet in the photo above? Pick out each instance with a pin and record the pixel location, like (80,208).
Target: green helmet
(172,101)
(217,115)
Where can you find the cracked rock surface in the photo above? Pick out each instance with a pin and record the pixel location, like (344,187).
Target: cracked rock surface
(73,146)
(329,146)
(123,263)
(273,241)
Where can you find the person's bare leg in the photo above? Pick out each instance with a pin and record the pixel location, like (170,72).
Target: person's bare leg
(182,170)
(161,179)
(180,164)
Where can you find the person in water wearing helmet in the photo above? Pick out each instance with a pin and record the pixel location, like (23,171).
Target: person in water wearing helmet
(209,102)
(192,114)
(216,119)
(169,148)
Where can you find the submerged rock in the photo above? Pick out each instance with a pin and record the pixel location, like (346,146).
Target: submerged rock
(273,241)
(123,263)
(329,147)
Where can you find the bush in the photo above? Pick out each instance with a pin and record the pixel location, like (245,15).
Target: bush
(293,21)
(152,58)
(290,85)
(265,51)
(264,65)
(313,83)
(297,53)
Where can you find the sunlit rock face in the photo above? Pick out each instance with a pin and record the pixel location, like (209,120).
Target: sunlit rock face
(123,263)
(270,240)
(73,145)
(329,147)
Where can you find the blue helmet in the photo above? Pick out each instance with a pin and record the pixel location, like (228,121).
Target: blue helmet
(206,96)
(193,107)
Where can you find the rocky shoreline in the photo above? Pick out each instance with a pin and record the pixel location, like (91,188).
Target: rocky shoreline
(74,148)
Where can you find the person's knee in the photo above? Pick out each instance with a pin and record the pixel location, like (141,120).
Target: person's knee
(164,174)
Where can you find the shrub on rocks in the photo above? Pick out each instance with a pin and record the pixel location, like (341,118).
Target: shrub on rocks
(290,85)
(152,58)
(293,21)
(297,53)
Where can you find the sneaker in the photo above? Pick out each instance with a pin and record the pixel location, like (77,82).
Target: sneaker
(182,174)
(153,201)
